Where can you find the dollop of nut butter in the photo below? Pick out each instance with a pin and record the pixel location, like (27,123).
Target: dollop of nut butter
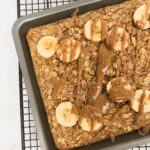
(119,90)
(90,119)
(104,55)
(102,103)
(94,92)
(103,58)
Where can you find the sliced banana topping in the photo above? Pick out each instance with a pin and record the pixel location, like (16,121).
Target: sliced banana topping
(146,81)
(95,30)
(46,46)
(90,119)
(118,39)
(141,16)
(68,50)
(66,114)
(119,90)
(141,97)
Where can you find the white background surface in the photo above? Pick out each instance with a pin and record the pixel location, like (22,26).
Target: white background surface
(10,138)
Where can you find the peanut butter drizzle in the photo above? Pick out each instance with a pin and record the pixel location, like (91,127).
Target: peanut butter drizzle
(74,47)
(103,59)
(147,11)
(113,37)
(94,28)
(60,84)
(90,111)
(92,124)
(141,106)
(112,136)
(123,40)
(104,29)
(147,15)
(74,109)
(94,95)
(119,92)
(94,92)
(63,45)
(144,130)
(99,74)
(93,24)
(81,61)
(75,13)
(102,103)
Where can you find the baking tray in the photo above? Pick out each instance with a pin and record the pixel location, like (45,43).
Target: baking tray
(20,29)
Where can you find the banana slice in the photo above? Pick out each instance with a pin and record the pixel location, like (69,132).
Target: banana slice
(119,90)
(68,50)
(66,114)
(90,119)
(143,95)
(118,39)
(141,16)
(146,81)
(46,46)
(95,30)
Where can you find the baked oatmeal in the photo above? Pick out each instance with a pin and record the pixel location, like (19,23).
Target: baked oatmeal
(93,71)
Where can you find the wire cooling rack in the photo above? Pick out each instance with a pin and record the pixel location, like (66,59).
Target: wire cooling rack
(28,130)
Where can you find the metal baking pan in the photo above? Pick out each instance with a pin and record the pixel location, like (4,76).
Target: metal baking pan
(20,29)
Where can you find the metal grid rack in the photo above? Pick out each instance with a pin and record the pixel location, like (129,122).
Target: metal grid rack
(28,129)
